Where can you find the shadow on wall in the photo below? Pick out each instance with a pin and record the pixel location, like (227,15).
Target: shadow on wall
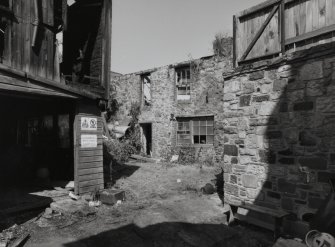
(286,138)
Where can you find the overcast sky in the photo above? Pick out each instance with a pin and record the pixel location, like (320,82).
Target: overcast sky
(152,33)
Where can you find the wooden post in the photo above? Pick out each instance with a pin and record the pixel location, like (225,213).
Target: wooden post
(106,45)
(282,26)
(234,42)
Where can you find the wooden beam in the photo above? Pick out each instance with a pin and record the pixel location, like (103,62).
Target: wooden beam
(77,90)
(30,90)
(290,1)
(257,8)
(310,35)
(234,41)
(259,33)
(282,26)
(261,57)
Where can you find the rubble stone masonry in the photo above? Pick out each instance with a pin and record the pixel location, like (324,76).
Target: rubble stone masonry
(274,124)
(206,99)
(279,131)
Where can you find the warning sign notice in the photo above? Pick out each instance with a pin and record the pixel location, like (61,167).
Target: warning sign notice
(89,141)
(88,123)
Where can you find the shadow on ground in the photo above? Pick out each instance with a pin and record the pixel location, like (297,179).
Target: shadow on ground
(172,234)
(123,171)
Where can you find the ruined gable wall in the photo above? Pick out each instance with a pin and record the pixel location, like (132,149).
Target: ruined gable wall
(207,85)
(276,119)
(125,89)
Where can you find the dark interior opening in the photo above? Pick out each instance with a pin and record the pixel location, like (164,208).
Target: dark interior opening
(36,140)
(147,138)
(83,43)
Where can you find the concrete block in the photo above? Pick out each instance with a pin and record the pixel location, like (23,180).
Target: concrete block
(110,197)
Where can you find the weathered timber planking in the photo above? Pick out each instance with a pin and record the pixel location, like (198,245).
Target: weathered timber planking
(312,34)
(315,14)
(234,42)
(296,18)
(93,188)
(15,36)
(309,16)
(34,91)
(42,39)
(29,84)
(259,32)
(322,13)
(97,164)
(50,41)
(90,171)
(329,13)
(90,159)
(7,56)
(90,177)
(299,18)
(26,41)
(302,16)
(91,182)
(281,30)
(257,8)
(87,153)
(34,51)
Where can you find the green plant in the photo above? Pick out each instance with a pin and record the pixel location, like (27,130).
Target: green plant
(222,45)
(133,136)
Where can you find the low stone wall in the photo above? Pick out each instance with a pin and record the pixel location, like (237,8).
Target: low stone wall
(279,131)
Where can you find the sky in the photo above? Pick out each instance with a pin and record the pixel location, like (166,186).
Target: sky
(152,33)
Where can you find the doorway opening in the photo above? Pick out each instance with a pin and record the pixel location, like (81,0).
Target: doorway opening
(146,137)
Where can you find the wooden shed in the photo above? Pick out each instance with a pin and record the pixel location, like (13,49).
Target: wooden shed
(54,75)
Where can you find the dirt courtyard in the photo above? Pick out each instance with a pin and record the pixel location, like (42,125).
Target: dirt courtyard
(164,206)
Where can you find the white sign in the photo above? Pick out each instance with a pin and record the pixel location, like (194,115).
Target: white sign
(89,141)
(88,123)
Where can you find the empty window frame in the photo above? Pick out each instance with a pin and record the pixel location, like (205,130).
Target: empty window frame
(184,132)
(146,89)
(183,82)
(198,130)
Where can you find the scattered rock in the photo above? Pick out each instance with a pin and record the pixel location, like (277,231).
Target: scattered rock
(174,158)
(69,207)
(73,196)
(208,189)
(288,243)
(94,203)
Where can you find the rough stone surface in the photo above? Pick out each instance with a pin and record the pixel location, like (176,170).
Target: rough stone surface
(208,94)
(291,125)
(250,181)
(230,150)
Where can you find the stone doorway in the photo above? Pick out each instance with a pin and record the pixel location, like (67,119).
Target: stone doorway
(146,137)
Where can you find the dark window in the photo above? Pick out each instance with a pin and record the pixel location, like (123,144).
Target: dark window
(146,89)
(183,82)
(199,130)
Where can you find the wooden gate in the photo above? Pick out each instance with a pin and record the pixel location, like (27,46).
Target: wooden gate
(278,26)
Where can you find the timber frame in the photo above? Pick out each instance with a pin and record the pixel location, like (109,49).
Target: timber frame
(287,36)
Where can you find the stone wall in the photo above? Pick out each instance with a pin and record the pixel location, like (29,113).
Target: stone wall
(206,99)
(279,131)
